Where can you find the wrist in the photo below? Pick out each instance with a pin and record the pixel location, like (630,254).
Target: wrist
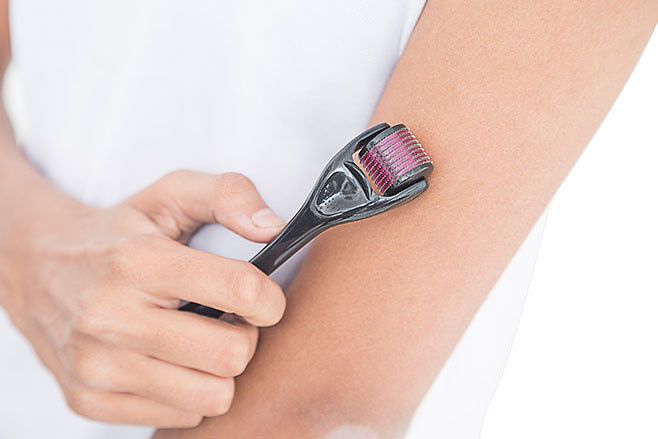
(28,201)
(32,209)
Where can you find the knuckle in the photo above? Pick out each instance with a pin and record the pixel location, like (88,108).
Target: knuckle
(87,320)
(75,401)
(237,353)
(77,359)
(174,177)
(230,184)
(86,366)
(81,401)
(100,322)
(214,398)
(84,369)
(123,256)
(248,288)
(118,255)
(222,399)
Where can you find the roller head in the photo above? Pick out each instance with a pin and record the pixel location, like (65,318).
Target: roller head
(394,160)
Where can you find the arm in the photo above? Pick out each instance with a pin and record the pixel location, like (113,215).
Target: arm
(96,291)
(504,96)
(15,171)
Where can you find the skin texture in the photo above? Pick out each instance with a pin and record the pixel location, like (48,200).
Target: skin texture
(96,291)
(352,432)
(504,96)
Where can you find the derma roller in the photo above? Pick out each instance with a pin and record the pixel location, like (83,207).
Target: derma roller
(382,168)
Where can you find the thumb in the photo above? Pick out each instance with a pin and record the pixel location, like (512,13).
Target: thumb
(183,200)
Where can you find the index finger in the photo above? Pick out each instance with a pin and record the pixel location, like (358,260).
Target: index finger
(175,271)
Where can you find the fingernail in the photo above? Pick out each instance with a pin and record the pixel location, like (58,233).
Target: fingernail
(267,219)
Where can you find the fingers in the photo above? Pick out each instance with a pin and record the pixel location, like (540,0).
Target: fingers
(232,286)
(213,346)
(106,406)
(183,200)
(172,271)
(120,371)
(126,408)
(97,369)
(186,389)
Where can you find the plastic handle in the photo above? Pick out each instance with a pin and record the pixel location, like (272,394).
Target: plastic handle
(300,230)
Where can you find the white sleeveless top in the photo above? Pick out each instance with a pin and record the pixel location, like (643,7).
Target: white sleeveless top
(114,94)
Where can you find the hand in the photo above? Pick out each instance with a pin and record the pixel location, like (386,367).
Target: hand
(96,292)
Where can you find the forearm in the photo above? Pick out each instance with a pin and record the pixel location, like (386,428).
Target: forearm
(16,176)
(21,185)
(28,203)
(504,109)
(24,193)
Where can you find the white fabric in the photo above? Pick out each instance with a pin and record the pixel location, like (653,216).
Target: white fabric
(117,93)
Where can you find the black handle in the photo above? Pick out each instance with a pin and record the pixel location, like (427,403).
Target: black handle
(300,230)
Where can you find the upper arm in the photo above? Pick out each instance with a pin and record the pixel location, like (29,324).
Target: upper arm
(504,96)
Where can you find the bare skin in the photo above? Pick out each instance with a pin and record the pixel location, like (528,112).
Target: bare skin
(96,291)
(504,96)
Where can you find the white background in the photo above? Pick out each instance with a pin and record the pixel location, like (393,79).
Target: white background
(585,360)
